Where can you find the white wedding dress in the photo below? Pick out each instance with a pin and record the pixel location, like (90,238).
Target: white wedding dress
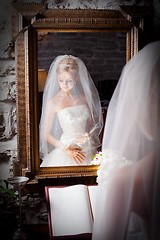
(73,121)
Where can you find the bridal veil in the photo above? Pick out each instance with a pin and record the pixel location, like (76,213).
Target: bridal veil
(129,174)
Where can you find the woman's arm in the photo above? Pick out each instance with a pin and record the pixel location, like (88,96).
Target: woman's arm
(50,114)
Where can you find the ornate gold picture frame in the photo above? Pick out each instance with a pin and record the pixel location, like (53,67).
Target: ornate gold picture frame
(35,18)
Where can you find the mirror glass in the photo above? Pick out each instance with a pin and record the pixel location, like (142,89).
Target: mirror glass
(104,54)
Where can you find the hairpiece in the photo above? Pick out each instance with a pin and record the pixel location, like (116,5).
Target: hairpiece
(68,63)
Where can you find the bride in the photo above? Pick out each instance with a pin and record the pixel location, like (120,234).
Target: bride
(71,119)
(129,173)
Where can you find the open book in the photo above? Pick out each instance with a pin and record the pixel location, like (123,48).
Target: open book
(71,210)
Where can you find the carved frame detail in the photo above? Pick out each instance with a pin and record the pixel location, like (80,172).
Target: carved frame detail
(35,18)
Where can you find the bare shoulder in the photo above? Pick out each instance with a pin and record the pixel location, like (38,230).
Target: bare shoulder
(56,102)
(52,106)
(82,100)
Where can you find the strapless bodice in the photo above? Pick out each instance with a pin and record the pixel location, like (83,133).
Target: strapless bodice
(73,120)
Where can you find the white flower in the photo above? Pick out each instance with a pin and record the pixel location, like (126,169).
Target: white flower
(97,158)
(110,162)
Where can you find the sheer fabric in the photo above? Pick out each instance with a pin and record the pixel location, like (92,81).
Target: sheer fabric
(75,122)
(129,174)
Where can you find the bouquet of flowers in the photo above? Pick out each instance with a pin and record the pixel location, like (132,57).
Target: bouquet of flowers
(112,161)
(96,160)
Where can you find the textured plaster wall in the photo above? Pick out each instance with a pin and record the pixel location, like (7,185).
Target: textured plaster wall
(8,140)
(8,27)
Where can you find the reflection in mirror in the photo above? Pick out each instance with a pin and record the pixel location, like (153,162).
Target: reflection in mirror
(42,75)
(103,53)
(71,119)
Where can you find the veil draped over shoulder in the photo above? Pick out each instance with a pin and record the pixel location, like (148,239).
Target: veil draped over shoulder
(129,174)
(84,89)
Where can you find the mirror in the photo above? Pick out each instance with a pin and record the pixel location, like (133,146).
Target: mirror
(40,25)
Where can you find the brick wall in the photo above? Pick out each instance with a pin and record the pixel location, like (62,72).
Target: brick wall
(102,52)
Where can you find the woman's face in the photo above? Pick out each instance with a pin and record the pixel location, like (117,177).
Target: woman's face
(66,81)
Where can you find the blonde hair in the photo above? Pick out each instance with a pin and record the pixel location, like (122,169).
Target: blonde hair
(67,65)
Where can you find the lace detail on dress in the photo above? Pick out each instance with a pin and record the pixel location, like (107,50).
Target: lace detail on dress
(73,120)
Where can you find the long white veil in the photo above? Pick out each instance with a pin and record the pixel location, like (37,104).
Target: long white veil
(129,175)
(84,89)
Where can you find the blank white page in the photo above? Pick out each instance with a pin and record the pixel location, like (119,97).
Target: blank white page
(70,211)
